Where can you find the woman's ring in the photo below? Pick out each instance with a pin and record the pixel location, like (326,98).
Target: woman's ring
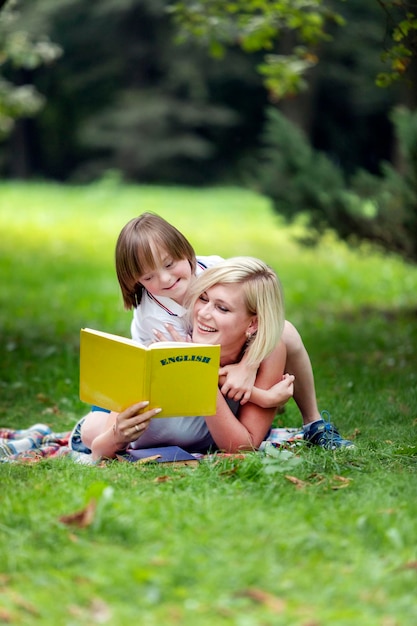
(137,427)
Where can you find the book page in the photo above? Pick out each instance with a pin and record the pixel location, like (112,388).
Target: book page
(184,380)
(113,374)
(181,378)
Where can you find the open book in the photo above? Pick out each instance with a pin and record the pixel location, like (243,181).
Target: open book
(179,378)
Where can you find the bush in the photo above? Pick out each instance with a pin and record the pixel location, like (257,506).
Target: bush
(381,209)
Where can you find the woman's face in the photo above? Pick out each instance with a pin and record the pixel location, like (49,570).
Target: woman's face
(220,317)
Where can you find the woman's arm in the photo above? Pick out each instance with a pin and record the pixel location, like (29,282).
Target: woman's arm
(115,431)
(249,429)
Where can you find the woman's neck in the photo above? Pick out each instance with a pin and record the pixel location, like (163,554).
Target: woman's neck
(231,356)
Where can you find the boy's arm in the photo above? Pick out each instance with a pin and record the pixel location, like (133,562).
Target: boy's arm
(275,396)
(240,378)
(237,380)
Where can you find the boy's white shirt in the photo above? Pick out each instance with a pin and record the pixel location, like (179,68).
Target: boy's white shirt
(153,313)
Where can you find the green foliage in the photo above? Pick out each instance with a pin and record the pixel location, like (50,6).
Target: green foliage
(235,540)
(259,26)
(401,17)
(256,26)
(351,122)
(297,178)
(125,97)
(381,209)
(285,75)
(163,121)
(20,51)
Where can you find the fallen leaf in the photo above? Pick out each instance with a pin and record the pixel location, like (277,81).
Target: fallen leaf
(159,561)
(277,605)
(342,479)
(317,478)
(148,459)
(100,611)
(41,397)
(162,479)
(410,565)
(24,604)
(82,518)
(229,472)
(344,482)
(51,410)
(5,616)
(300,484)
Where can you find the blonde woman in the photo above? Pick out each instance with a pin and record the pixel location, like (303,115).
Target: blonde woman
(238,304)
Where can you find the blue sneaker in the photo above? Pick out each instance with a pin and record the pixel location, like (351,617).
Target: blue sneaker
(324,434)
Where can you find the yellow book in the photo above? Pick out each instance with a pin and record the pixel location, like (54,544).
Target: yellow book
(179,378)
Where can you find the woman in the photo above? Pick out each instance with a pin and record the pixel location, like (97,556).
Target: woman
(238,304)
(156,266)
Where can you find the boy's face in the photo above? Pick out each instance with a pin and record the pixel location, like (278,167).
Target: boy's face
(171,278)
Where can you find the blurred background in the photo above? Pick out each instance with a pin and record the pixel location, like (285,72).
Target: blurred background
(104,89)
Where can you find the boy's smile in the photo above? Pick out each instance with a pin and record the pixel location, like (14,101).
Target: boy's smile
(170,278)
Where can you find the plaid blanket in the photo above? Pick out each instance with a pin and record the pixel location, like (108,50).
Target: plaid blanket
(32,444)
(40,442)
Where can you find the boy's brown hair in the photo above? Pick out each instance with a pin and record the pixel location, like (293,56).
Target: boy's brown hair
(135,252)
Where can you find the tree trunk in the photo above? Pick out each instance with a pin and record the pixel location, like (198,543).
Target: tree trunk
(19,160)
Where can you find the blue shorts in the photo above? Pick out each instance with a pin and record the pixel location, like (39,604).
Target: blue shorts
(75,441)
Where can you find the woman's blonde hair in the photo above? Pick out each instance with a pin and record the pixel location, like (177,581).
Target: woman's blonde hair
(263,297)
(136,252)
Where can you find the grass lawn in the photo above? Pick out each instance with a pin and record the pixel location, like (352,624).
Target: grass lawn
(316,539)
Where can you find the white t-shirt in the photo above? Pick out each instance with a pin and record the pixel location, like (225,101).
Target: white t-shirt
(190,433)
(152,313)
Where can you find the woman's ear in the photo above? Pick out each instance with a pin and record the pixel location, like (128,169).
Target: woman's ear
(253,326)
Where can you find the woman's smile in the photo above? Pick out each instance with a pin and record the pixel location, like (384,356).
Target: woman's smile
(206,329)
(221,316)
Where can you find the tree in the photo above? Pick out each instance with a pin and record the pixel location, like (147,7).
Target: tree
(21,52)
(257,26)
(380,208)
(124,97)
(401,40)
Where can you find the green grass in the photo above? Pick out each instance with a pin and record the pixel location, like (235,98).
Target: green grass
(233,542)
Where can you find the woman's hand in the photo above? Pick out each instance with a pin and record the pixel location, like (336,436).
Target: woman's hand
(131,423)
